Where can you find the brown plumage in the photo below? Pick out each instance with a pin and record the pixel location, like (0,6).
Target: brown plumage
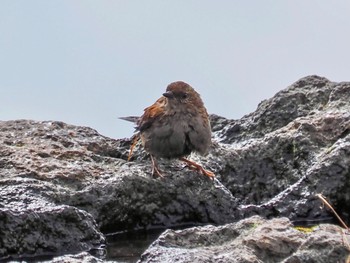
(174,126)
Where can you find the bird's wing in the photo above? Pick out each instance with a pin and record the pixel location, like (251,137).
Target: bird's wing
(155,111)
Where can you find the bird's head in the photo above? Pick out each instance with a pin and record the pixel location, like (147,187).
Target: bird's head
(180,92)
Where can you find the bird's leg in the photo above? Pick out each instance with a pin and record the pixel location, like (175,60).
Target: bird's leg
(197,167)
(133,144)
(155,169)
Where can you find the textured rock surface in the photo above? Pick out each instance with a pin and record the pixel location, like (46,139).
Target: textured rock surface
(251,240)
(60,185)
(81,257)
(56,180)
(294,145)
(49,230)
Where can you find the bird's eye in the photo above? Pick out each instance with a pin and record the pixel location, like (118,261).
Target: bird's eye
(184,96)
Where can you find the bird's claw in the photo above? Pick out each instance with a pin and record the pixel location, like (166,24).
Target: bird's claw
(199,168)
(155,170)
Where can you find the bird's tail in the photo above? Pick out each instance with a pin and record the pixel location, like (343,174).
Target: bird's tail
(133,119)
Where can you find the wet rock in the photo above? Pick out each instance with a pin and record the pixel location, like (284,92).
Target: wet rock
(251,240)
(304,97)
(271,162)
(49,165)
(30,225)
(292,147)
(138,201)
(81,257)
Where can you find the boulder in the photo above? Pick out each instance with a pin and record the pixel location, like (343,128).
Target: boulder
(251,240)
(295,145)
(63,187)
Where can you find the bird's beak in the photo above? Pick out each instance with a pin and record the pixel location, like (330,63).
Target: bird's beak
(168,94)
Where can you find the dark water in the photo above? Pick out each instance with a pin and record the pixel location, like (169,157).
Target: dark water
(128,246)
(124,247)
(312,222)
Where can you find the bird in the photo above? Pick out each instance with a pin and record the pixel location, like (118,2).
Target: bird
(176,125)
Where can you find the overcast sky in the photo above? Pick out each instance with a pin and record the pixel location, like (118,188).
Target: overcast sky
(88,62)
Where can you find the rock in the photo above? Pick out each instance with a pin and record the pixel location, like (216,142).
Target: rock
(77,258)
(251,240)
(271,163)
(292,147)
(306,96)
(49,165)
(30,225)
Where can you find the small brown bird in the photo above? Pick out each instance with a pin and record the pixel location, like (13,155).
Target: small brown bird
(174,126)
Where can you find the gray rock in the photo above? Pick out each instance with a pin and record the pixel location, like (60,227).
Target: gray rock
(304,97)
(77,258)
(49,165)
(30,225)
(250,240)
(292,147)
(271,163)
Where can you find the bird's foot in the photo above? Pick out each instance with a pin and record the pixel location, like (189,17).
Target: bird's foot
(155,169)
(199,168)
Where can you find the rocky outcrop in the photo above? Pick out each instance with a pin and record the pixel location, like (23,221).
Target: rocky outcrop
(293,146)
(57,177)
(251,240)
(63,186)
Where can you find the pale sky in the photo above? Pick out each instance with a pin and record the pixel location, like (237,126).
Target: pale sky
(88,62)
